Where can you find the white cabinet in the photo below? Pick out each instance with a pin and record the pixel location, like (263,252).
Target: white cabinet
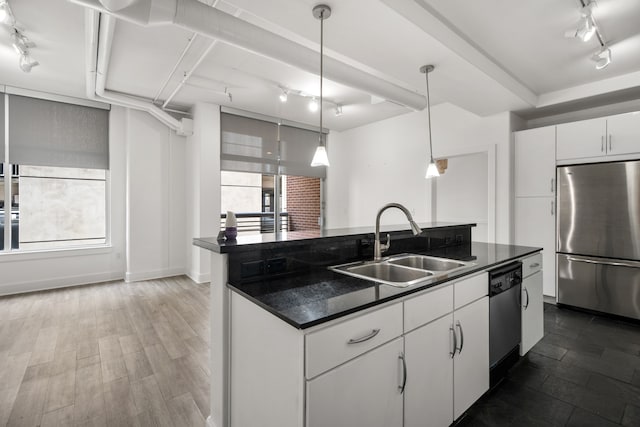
(532,303)
(623,134)
(367,391)
(535,169)
(535,225)
(581,139)
(471,363)
(448,360)
(607,136)
(429,391)
(534,219)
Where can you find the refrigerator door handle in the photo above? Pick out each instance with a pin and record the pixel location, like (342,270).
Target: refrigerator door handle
(632,264)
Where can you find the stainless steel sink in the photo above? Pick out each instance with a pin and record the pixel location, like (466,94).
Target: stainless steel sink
(424,262)
(402,270)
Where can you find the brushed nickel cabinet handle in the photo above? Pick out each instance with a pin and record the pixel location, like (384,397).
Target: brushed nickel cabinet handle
(461,337)
(367,337)
(609,142)
(526,291)
(452,353)
(534,265)
(552,208)
(402,386)
(552,186)
(601,143)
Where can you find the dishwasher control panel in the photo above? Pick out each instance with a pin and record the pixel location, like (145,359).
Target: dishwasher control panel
(504,278)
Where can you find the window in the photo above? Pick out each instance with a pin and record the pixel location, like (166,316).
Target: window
(267,180)
(56,193)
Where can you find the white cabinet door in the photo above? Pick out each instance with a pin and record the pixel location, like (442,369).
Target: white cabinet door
(362,392)
(428,397)
(535,162)
(532,312)
(581,139)
(471,363)
(535,226)
(623,134)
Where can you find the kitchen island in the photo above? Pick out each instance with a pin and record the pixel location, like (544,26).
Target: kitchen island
(280,318)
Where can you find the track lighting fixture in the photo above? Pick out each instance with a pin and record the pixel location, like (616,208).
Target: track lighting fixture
(20,42)
(338,110)
(284,95)
(313,105)
(602,58)
(320,158)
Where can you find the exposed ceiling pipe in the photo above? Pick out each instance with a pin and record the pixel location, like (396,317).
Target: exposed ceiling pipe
(211,22)
(98,45)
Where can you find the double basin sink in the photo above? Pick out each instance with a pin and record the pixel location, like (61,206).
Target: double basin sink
(402,270)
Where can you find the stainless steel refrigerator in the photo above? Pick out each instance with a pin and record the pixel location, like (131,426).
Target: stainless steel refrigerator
(598,250)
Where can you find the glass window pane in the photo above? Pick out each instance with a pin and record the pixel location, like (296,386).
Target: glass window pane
(61,207)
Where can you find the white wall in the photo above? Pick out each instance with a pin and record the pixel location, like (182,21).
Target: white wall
(386,161)
(24,272)
(155,198)
(376,164)
(202,212)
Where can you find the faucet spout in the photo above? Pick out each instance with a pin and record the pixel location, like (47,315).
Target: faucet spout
(379,248)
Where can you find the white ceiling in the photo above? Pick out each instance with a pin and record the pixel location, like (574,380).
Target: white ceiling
(490,56)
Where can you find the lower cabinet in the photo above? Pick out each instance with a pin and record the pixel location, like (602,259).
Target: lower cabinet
(367,391)
(447,365)
(532,303)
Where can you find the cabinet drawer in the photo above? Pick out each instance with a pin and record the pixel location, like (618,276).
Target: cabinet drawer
(423,309)
(531,265)
(471,289)
(334,345)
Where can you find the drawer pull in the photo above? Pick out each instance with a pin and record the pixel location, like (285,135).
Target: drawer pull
(367,337)
(534,265)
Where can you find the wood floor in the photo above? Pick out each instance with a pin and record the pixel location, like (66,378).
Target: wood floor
(113,354)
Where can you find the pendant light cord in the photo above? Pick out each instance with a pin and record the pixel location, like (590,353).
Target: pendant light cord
(426,75)
(321,70)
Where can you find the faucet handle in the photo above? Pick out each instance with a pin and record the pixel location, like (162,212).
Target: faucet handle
(384,247)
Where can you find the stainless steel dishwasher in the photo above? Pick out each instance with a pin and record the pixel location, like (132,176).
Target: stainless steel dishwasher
(504,319)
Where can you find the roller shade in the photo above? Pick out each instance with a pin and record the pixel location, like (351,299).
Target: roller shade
(49,133)
(248,145)
(2,142)
(251,145)
(297,147)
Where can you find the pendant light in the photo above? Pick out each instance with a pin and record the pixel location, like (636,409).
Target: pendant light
(432,169)
(320,158)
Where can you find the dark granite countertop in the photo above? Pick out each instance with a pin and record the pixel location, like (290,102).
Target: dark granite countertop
(267,240)
(312,298)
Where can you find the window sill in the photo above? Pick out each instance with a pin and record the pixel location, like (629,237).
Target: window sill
(54,253)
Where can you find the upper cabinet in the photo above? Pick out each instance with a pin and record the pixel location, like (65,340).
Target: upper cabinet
(623,134)
(535,162)
(614,135)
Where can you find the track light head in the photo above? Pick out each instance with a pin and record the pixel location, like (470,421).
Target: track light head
(602,58)
(27,63)
(6,17)
(313,105)
(338,110)
(284,96)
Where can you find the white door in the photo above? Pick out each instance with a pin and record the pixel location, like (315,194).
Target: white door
(428,397)
(532,312)
(535,162)
(471,363)
(363,392)
(623,134)
(581,139)
(535,225)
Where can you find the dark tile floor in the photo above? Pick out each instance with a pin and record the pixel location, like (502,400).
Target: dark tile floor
(584,372)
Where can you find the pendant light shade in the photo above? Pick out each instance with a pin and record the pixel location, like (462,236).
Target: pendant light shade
(320,158)
(432,169)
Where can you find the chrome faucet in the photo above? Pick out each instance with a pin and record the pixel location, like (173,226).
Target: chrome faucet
(379,248)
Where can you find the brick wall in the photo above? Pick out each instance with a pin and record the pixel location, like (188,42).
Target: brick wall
(303,203)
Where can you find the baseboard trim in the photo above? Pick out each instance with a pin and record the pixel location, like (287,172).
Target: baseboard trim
(150,275)
(59,282)
(199,278)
